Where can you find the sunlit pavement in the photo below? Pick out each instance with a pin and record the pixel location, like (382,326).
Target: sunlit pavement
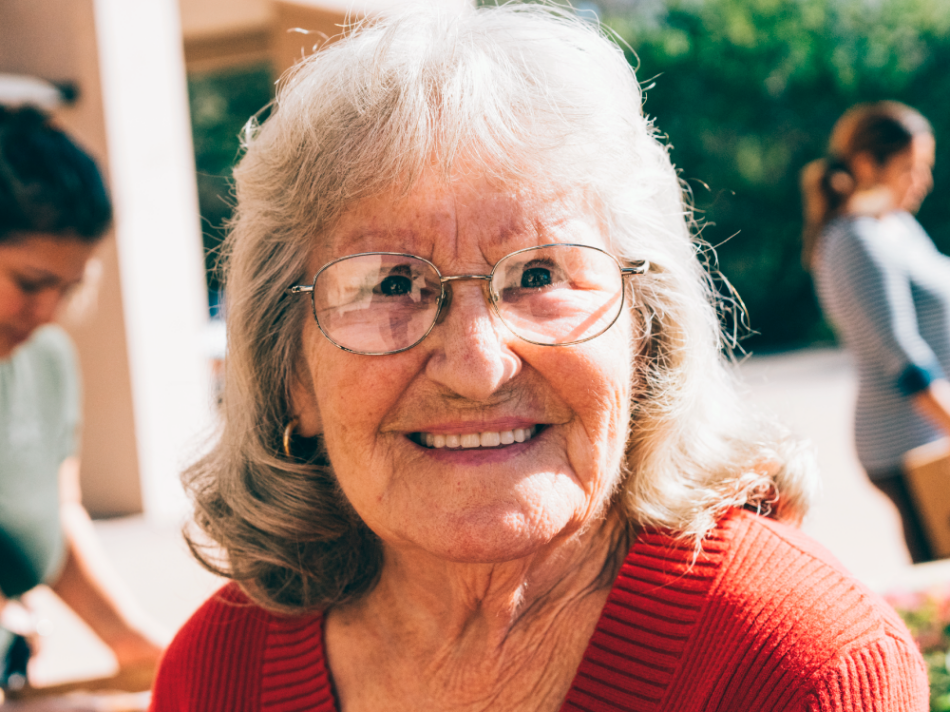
(155,564)
(812,391)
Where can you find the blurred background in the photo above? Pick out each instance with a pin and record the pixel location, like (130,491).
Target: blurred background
(746,92)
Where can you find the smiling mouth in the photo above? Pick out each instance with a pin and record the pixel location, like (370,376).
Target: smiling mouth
(487,439)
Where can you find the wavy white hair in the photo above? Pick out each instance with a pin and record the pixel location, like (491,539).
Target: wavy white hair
(526,93)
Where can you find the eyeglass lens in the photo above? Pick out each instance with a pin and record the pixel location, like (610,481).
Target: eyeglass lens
(381,303)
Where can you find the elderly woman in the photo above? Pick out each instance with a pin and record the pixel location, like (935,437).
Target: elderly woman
(480,450)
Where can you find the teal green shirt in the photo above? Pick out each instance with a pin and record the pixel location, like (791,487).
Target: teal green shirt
(39,418)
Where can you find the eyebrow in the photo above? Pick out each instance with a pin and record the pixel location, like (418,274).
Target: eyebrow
(43,278)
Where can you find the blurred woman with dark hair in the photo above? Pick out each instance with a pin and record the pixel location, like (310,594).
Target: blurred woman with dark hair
(54,210)
(885,287)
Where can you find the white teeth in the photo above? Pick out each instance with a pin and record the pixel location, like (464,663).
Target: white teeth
(490,439)
(472,440)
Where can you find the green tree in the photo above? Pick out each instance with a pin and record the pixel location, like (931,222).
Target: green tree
(221,104)
(747,92)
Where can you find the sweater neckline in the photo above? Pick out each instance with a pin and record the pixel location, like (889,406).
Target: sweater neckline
(630,660)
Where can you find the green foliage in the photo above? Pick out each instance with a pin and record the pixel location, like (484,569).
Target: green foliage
(927,615)
(747,92)
(221,104)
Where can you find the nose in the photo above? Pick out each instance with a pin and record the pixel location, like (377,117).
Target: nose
(470,347)
(920,186)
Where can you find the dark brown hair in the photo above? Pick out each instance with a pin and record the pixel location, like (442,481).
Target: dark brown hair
(47,183)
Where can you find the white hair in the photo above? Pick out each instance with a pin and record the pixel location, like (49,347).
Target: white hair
(526,93)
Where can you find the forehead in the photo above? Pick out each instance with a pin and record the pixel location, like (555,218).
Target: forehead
(463,218)
(49,252)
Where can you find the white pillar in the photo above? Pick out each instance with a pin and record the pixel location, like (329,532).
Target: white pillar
(151,168)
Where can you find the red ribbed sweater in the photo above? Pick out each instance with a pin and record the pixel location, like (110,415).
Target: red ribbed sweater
(764,620)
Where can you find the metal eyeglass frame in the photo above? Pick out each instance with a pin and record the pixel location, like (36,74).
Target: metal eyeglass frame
(445,298)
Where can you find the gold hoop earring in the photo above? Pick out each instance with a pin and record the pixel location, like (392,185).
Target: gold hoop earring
(288,432)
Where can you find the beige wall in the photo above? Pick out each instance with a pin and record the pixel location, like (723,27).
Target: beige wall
(56,40)
(222,33)
(299,29)
(214,18)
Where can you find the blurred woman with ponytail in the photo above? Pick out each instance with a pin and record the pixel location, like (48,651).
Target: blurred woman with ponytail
(885,287)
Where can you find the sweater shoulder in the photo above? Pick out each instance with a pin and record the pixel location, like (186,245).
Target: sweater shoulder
(797,621)
(234,656)
(776,565)
(215,660)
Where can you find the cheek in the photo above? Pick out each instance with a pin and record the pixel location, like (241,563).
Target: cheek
(599,391)
(354,395)
(11,299)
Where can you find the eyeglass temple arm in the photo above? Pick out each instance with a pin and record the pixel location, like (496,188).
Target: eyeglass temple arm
(639,267)
(300,289)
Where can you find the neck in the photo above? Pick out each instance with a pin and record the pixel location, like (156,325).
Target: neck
(475,636)
(875,201)
(451,597)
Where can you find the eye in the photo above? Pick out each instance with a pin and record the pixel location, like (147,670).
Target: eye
(29,288)
(535,278)
(395,285)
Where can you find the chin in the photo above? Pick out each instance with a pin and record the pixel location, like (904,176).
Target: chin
(10,339)
(7,347)
(487,539)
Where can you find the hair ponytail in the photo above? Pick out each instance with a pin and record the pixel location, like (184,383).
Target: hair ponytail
(826,185)
(881,129)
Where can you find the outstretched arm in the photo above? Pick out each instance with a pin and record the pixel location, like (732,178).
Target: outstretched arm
(934,402)
(90,586)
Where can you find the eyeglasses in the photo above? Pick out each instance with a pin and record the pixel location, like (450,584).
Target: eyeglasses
(378,303)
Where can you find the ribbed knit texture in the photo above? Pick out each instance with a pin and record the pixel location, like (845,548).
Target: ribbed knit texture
(764,620)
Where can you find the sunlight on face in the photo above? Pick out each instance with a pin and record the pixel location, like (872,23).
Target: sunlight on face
(909,174)
(474,445)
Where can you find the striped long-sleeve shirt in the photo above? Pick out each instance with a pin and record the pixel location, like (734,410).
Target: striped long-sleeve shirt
(886,289)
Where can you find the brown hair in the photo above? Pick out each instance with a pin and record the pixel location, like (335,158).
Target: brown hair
(882,129)
(47,182)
